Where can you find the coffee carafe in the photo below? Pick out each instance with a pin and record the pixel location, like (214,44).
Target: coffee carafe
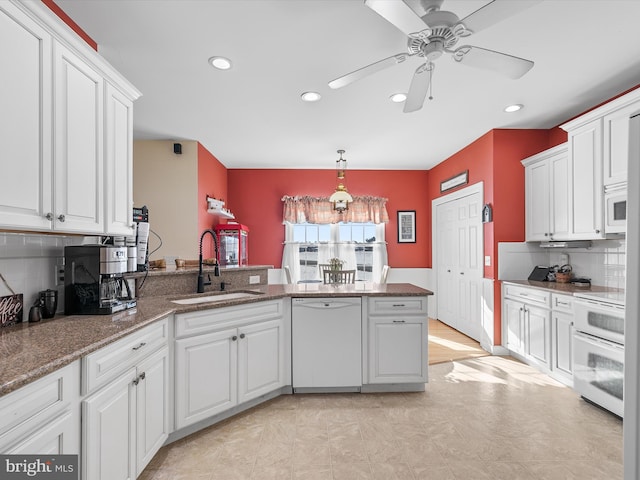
(48,302)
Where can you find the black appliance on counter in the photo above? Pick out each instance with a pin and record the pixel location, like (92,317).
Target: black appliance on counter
(94,282)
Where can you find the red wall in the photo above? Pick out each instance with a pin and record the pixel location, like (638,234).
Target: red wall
(494,159)
(74,26)
(255,199)
(212,181)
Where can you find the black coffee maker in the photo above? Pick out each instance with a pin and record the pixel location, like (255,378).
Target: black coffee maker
(94,282)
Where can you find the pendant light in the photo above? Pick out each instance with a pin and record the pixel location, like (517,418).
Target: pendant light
(341,198)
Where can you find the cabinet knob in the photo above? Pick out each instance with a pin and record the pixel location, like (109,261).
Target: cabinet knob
(597,231)
(448,271)
(234,338)
(461,273)
(546,234)
(61,218)
(242,335)
(49,216)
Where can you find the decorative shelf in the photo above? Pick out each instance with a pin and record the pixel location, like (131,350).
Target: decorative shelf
(221,212)
(216,207)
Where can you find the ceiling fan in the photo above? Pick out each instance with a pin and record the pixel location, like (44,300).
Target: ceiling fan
(433,32)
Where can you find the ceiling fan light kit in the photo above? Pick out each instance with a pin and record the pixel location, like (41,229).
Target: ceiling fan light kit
(433,32)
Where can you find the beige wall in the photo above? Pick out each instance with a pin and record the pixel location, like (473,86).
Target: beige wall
(168,184)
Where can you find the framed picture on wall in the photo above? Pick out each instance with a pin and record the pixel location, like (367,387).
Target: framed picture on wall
(406,226)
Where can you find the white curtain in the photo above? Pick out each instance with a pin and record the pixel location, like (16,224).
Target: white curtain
(345,251)
(291,254)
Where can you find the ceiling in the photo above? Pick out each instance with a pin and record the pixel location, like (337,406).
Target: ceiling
(251,116)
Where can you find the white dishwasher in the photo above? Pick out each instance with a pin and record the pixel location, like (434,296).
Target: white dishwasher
(326,338)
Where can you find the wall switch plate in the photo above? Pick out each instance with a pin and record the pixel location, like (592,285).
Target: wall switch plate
(487,260)
(253,279)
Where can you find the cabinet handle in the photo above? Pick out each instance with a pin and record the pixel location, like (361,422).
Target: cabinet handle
(461,273)
(234,338)
(242,335)
(142,376)
(136,381)
(398,321)
(139,346)
(49,216)
(398,305)
(61,217)
(566,304)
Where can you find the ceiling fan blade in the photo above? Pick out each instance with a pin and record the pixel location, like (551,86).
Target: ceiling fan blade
(495,12)
(400,15)
(368,70)
(508,65)
(419,87)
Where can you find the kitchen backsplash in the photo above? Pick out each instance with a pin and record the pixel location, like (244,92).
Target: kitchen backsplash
(603,262)
(28,262)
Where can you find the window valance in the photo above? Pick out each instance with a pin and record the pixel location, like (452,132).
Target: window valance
(301,209)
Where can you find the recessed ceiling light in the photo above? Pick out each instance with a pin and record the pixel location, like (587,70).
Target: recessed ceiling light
(311,96)
(513,108)
(221,63)
(398,97)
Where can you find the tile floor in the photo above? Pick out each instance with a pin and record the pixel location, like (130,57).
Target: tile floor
(489,417)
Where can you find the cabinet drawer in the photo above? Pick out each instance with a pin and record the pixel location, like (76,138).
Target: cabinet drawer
(528,295)
(404,305)
(33,405)
(104,365)
(562,303)
(203,321)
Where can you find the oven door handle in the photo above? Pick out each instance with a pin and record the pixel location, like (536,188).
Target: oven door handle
(597,341)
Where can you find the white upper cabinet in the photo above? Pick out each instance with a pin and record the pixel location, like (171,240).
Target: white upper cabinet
(118,161)
(65,166)
(585,159)
(25,121)
(78,155)
(547,195)
(598,157)
(616,145)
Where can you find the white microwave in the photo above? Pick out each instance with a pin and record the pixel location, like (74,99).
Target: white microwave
(615,199)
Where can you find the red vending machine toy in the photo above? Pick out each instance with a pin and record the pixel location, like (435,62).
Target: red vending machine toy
(233,240)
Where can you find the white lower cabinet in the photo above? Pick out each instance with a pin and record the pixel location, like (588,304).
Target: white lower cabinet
(397,350)
(44,416)
(539,329)
(126,420)
(397,340)
(227,362)
(538,335)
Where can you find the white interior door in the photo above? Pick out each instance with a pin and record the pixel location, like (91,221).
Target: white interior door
(458,256)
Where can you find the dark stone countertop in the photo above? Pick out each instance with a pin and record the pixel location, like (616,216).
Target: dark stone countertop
(29,351)
(565,288)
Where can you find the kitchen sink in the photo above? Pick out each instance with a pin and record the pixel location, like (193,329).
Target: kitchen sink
(218,297)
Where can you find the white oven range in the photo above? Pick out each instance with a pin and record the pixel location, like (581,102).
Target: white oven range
(598,355)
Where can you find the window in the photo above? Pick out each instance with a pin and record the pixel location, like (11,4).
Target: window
(360,246)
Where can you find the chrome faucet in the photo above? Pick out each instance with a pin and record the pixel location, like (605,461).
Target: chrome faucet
(216,268)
